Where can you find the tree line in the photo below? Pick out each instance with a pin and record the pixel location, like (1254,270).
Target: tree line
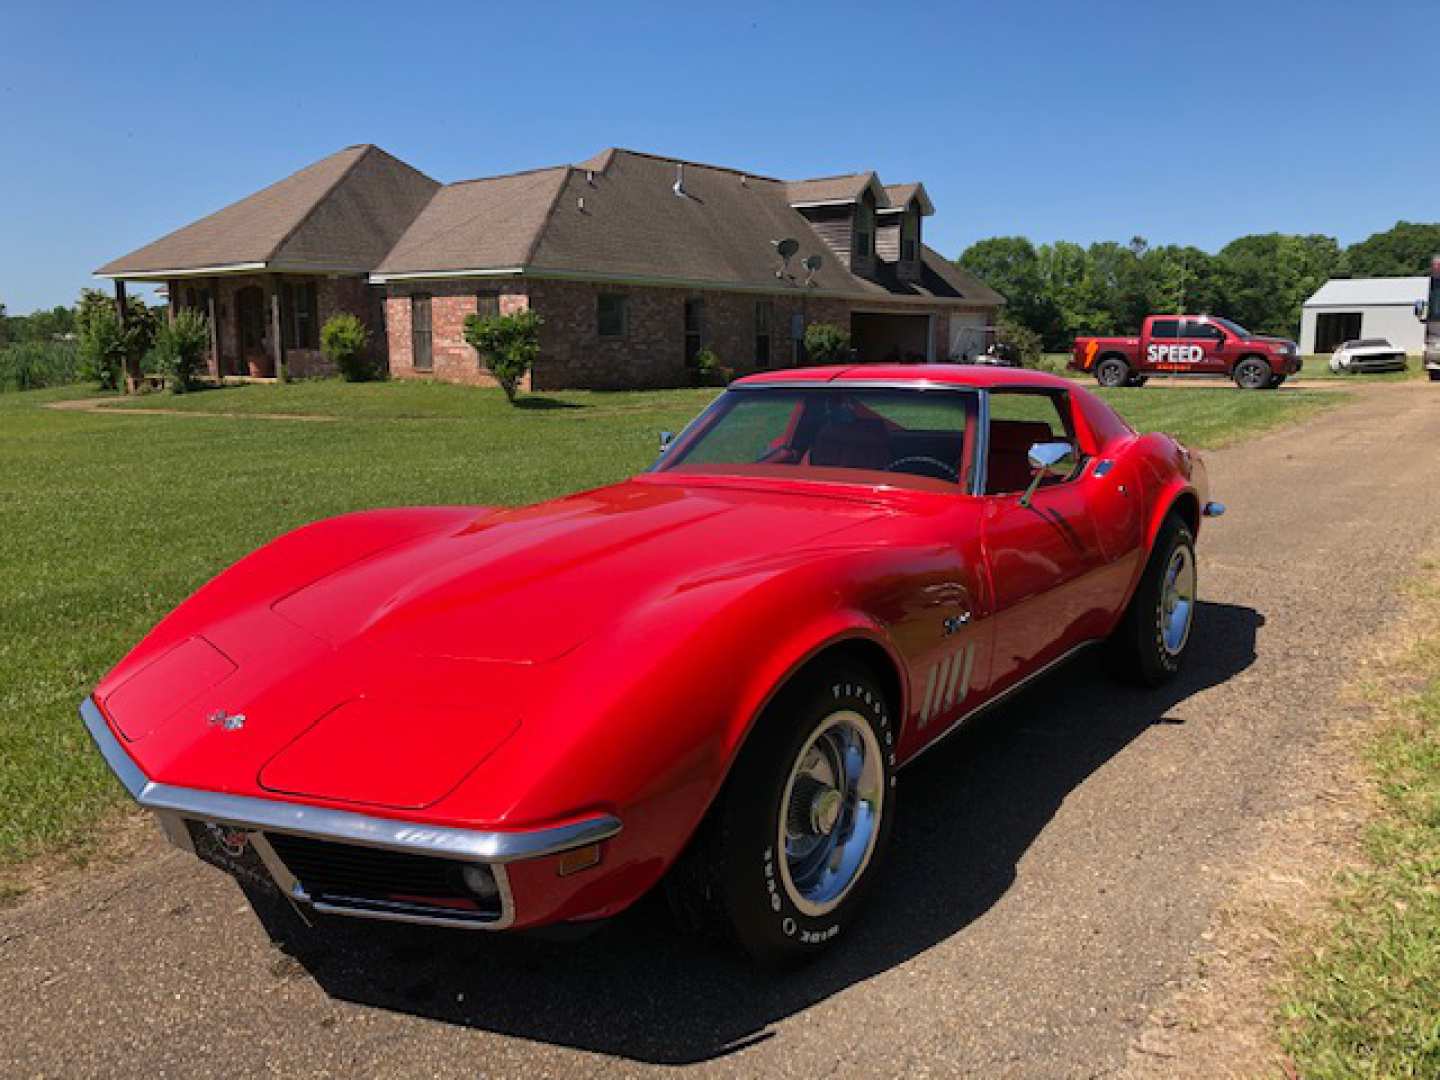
(1059,290)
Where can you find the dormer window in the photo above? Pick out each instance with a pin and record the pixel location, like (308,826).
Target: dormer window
(910,236)
(864,229)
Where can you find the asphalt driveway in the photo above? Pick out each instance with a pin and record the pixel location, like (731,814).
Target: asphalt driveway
(1052,872)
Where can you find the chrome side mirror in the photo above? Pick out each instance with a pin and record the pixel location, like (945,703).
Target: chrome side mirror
(1048,459)
(1422,310)
(666,438)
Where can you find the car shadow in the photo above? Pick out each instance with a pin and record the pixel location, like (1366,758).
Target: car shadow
(639,989)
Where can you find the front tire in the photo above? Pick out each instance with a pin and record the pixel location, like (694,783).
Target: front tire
(1112,372)
(1149,646)
(1252,374)
(795,840)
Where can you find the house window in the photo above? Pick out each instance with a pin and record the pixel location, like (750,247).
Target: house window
(299,315)
(762,332)
(610,315)
(864,229)
(487,304)
(694,327)
(421,339)
(910,236)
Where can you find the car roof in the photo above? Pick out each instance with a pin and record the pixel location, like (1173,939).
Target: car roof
(980,377)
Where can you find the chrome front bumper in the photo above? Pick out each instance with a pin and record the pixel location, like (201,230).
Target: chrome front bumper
(174,805)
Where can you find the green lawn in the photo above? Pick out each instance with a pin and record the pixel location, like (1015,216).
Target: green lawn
(1365,1002)
(110,520)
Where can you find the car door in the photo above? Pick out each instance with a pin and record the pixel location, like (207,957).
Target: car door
(1041,555)
(1203,347)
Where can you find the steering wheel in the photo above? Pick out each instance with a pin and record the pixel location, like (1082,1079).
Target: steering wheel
(929,466)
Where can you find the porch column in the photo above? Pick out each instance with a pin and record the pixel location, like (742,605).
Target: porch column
(211,291)
(277,347)
(122,312)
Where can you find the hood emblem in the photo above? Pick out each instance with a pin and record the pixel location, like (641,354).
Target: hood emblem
(226,721)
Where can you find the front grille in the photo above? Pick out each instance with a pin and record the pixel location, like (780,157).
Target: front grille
(344,873)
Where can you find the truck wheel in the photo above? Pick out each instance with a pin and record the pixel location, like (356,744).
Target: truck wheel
(1149,645)
(1252,374)
(797,836)
(1112,371)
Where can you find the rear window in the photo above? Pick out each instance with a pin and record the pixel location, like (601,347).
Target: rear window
(1165,328)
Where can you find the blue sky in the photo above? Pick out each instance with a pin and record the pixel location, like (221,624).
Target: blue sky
(1190,124)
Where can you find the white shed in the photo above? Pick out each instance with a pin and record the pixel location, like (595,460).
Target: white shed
(1344,309)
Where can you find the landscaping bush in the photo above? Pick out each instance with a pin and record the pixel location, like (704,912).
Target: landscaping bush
(1025,342)
(508,344)
(31,365)
(104,342)
(826,343)
(180,347)
(343,339)
(710,370)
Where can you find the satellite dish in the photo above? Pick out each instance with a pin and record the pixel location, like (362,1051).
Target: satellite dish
(785,248)
(812,263)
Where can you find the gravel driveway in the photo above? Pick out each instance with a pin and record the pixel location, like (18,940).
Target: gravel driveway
(1052,872)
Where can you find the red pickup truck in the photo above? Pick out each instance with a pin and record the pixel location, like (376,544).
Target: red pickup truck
(1188,345)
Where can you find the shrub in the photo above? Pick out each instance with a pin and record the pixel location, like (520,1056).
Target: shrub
(30,365)
(826,343)
(1025,342)
(104,343)
(343,339)
(180,347)
(710,370)
(508,344)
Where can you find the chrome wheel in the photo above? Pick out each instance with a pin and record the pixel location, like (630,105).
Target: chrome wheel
(1177,600)
(831,812)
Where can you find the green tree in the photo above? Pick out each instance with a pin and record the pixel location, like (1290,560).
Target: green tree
(105,356)
(1403,250)
(826,343)
(508,344)
(343,339)
(1011,266)
(1264,279)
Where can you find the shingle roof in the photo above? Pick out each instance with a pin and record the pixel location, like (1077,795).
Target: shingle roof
(1360,292)
(900,194)
(478,224)
(829,189)
(617,216)
(342,213)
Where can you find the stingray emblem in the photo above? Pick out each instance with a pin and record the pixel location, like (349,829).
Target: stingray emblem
(226,721)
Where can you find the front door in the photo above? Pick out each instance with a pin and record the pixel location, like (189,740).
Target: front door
(250,322)
(1208,346)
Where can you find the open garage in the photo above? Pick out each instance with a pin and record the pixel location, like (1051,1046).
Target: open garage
(881,337)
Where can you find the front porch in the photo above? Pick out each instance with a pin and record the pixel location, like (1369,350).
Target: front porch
(264,326)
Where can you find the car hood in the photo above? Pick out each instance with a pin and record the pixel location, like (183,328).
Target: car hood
(390,678)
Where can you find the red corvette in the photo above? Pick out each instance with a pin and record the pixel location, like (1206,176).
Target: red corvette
(495,718)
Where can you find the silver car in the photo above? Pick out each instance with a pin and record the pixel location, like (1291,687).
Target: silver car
(1366,355)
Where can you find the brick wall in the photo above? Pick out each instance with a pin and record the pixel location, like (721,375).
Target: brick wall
(650,353)
(450,302)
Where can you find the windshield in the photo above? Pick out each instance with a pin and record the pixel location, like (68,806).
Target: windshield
(857,435)
(1234,327)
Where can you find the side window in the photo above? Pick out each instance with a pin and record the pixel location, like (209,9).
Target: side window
(1165,328)
(1194,328)
(1018,420)
(610,315)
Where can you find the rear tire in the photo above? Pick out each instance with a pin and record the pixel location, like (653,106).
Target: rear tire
(786,855)
(1112,372)
(1252,374)
(1149,646)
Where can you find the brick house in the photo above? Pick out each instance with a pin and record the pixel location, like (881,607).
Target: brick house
(635,263)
